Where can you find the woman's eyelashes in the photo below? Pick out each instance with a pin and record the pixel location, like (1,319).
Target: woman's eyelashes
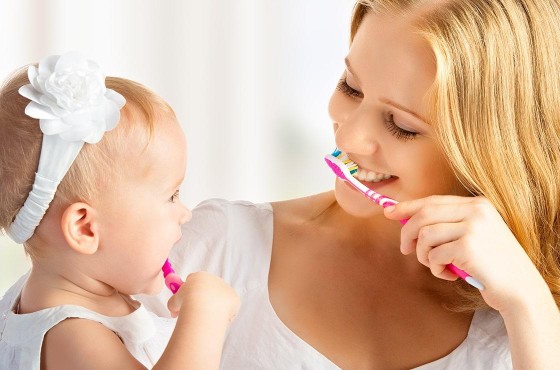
(397,131)
(347,90)
(390,124)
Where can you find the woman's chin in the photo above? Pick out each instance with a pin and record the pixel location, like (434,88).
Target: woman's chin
(354,202)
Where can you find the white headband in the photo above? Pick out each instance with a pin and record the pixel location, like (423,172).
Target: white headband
(69,97)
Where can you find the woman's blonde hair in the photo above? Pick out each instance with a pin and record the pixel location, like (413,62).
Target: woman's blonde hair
(495,104)
(96,164)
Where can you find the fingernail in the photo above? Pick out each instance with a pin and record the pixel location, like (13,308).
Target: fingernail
(389,209)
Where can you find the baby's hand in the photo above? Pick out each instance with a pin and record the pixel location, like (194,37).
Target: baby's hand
(206,294)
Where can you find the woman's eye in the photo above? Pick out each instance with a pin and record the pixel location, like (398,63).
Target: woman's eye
(397,131)
(343,87)
(174,197)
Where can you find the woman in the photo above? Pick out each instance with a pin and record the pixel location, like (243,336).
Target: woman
(451,108)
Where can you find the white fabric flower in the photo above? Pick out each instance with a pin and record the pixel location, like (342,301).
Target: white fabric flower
(69,97)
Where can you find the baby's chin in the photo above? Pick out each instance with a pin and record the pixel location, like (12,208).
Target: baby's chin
(154,287)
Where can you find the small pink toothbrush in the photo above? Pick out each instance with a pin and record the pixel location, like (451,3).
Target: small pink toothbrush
(172,280)
(344,168)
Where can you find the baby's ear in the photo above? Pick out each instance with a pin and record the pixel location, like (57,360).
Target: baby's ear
(80,228)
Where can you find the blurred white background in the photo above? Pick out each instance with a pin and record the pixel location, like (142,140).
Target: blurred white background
(249,80)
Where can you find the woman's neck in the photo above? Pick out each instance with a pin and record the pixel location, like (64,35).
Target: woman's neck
(375,230)
(374,241)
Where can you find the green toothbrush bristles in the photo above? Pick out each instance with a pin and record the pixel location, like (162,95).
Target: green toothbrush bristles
(352,167)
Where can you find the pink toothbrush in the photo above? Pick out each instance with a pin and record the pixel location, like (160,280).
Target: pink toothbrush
(343,167)
(172,280)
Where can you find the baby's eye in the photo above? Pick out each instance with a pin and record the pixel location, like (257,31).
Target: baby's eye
(175,196)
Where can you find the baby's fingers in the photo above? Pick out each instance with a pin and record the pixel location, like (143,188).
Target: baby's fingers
(174,305)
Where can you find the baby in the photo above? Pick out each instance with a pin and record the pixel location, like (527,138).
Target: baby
(91,170)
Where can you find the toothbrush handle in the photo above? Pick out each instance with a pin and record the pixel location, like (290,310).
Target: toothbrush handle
(465,276)
(173,282)
(451,267)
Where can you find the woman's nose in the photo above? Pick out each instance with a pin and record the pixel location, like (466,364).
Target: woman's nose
(358,132)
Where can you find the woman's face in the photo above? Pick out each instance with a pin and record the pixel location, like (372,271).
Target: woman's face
(377,112)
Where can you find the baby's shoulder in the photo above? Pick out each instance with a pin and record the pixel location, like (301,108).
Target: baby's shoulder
(69,343)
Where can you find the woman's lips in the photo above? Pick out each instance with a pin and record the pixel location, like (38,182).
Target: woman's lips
(376,186)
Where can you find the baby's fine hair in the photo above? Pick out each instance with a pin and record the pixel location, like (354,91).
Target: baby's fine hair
(495,106)
(95,165)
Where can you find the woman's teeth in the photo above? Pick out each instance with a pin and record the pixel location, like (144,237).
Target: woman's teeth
(370,176)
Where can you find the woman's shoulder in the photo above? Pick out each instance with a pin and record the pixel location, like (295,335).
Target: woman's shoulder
(219,203)
(209,211)
(217,220)
(302,209)
(231,239)
(488,331)
(486,346)
(487,342)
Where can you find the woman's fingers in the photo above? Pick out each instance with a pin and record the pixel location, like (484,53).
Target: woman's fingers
(435,235)
(429,215)
(405,210)
(445,254)
(434,229)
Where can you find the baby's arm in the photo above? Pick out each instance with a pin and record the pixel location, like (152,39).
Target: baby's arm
(84,344)
(205,305)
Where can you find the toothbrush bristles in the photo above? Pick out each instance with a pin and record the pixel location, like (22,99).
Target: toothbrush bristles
(352,167)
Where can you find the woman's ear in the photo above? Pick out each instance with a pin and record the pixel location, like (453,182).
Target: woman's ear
(80,228)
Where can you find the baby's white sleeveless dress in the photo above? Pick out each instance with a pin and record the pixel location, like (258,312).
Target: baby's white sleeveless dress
(143,333)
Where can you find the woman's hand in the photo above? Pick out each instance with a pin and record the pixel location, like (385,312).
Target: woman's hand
(470,233)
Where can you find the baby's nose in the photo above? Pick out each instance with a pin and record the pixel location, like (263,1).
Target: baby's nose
(185,216)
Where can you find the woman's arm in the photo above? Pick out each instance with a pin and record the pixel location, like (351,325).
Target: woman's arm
(533,328)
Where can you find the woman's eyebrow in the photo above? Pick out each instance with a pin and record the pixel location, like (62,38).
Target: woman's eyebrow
(385,100)
(349,68)
(398,106)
